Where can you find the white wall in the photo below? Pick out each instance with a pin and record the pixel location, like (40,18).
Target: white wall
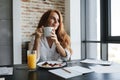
(16,32)
(72,19)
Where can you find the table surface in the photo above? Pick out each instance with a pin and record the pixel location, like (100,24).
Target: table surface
(21,72)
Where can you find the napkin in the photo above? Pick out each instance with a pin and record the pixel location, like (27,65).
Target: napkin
(115,68)
(93,61)
(71,71)
(6,70)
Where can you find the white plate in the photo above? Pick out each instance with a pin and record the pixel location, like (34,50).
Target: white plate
(51,62)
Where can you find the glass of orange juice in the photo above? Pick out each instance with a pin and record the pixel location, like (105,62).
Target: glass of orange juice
(31,59)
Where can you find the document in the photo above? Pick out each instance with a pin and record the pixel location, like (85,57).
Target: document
(2,78)
(6,70)
(93,61)
(69,72)
(106,69)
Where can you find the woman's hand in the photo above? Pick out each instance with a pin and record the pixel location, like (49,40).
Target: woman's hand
(54,36)
(39,32)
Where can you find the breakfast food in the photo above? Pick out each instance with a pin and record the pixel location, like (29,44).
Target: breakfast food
(46,64)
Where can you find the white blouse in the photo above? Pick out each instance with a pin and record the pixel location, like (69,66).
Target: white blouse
(46,53)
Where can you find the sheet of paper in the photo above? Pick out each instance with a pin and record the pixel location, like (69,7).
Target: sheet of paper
(2,78)
(106,69)
(75,71)
(93,61)
(6,70)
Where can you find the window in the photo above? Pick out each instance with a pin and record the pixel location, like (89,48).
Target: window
(113,30)
(109,24)
(115,17)
(100,29)
(114,52)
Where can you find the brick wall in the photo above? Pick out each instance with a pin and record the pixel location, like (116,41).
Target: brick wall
(31,12)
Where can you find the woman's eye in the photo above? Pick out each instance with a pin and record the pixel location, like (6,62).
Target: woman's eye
(52,18)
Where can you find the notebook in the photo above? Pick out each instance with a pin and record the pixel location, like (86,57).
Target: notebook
(69,72)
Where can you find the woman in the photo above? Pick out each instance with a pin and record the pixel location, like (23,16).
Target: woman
(57,46)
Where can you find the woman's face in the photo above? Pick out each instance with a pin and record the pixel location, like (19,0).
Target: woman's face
(53,20)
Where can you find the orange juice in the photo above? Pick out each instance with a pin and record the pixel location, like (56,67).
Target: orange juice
(31,60)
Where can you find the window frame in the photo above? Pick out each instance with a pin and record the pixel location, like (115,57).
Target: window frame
(103,31)
(106,23)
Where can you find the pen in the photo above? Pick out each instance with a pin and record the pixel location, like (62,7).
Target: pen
(66,70)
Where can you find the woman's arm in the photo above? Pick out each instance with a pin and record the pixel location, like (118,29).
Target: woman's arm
(38,33)
(65,53)
(36,43)
(60,49)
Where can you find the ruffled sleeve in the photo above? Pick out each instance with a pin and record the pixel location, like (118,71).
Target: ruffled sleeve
(68,55)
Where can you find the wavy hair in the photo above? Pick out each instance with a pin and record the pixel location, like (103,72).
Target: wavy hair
(63,37)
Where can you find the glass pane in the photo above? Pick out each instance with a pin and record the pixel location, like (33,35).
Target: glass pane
(114,52)
(93,50)
(98,20)
(93,20)
(115,17)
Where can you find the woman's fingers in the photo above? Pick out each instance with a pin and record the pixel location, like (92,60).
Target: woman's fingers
(39,32)
(53,36)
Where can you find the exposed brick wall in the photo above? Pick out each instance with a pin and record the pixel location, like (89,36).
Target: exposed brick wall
(32,10)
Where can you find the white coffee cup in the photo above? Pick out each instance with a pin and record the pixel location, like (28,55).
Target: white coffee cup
(47,31)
